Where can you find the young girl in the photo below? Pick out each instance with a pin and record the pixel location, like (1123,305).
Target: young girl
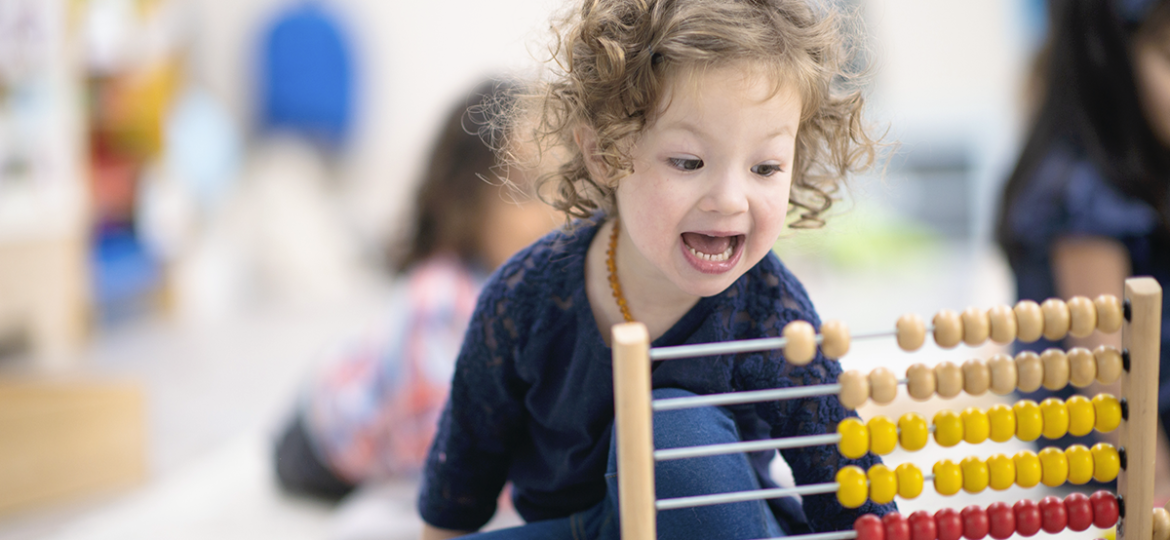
(1089,201)
(370,411)
(689,128)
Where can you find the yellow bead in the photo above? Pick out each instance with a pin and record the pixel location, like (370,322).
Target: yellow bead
(910,480)
(1028,470)
(1080,464)
(883,435)
(1108,412)
(1001,472)
(851,488)
(948,477)
(854,438)
(883,484)
(975,474)
(948,429)
(1053,466)
(1055,414)
(976,426)
(1003,422)
(1029,421)
(1081,416)
(913,432)
(1106,462)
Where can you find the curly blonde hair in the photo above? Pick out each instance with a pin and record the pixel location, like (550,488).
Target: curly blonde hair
(610,65)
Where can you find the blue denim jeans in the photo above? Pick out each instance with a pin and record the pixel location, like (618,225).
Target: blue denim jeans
(677,478)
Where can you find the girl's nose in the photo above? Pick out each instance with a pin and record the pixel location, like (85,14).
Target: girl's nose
(726,195)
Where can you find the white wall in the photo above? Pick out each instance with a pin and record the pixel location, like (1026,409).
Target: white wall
(416,58)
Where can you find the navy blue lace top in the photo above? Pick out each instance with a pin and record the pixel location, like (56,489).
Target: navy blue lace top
(532,396)
(1067,197)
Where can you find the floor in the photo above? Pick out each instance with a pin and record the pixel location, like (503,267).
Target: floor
(217,392)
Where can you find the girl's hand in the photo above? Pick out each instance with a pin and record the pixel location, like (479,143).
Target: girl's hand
(435,533)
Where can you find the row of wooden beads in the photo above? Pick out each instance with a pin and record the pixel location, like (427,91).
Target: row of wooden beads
(1026,420)
(999,521)
(1051,467)
(1027,322)
(1001,374)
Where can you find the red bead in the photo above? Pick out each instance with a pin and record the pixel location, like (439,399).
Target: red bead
(896,526)
(1027,517)
(922,526)
(1053,516)
(975,524)
(1080,511)
(1104,509)
(869,527)
(949,524)
(1003,520)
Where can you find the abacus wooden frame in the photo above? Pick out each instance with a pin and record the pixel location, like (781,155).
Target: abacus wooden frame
(1141,340)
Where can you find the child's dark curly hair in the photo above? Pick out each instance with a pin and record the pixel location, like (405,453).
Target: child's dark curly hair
(611,64)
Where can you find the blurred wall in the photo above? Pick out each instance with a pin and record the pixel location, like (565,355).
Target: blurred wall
(414,60)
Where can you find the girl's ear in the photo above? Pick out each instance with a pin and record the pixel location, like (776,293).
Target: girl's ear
(586,139)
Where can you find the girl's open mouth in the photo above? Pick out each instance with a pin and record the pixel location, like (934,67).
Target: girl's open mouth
(712,254)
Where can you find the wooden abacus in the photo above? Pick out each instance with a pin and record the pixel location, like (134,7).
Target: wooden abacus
(1138,318)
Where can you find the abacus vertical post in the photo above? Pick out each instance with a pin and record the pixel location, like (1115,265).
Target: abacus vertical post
(1140,335)
(634,432)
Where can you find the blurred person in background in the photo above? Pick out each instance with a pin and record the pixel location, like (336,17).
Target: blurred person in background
(370,412)
(1088,203)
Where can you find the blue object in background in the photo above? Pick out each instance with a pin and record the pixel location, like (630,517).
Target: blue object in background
(307,75)
(125,276)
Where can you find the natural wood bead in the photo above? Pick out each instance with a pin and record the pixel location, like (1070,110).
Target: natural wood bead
(1055,368)
(834,339)
(1109,365)
(854,389)
(976,326)
(948,379)
(802,343)
(1109,314)
(1161,524)
(1003,324)
(1056,319)
(1029,371)
(1082,316)
(1003,374)
(1082,367)
(883,385)
(948,329)
(920,382)
(1029,321)
(976,377)
(911,332)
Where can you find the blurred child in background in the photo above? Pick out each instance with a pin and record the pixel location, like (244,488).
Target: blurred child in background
(370,413)
(1088,204)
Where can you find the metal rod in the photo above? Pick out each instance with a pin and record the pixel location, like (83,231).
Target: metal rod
(836,535)
(740,496)
(744,345)
(750,446)
(735,398)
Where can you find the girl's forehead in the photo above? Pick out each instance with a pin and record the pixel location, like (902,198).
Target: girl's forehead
(745,80)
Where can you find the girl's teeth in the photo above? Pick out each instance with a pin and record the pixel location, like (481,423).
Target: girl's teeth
(720,257)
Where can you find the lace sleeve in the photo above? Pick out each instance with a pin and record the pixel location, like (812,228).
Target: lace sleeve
(807,416)
(468,461)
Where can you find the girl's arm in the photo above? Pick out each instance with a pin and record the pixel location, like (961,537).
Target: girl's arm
(435,533)
(1090,266)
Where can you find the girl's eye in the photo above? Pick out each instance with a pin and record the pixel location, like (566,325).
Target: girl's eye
(686,164)
(766,169)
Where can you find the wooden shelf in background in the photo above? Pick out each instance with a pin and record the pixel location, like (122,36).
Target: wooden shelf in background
(65,439)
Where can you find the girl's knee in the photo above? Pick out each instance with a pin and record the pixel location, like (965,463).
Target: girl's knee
(693,426)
